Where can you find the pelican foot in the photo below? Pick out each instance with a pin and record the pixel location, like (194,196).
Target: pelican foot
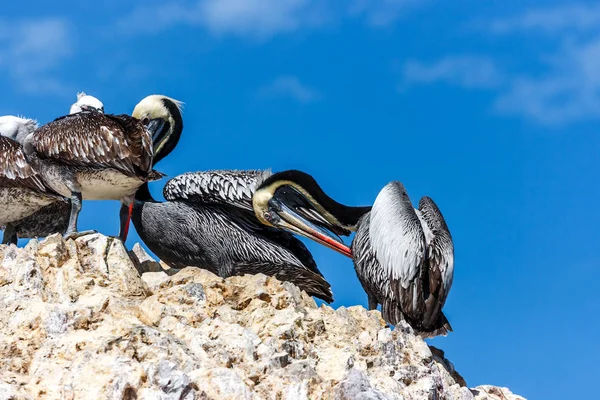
(75,235)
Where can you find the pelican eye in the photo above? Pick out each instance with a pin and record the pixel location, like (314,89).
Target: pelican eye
(271,217)
(145,120)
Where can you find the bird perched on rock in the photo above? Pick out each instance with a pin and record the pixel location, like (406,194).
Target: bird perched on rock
(208,222)
(404,257)
(22,189)
(54,217)
(94,156)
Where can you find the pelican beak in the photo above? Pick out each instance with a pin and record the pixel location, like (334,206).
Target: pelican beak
(283,217)
(159,129)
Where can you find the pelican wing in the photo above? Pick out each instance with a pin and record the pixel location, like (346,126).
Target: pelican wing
(398,244)
(440,251)
(15,171)
(90,139)
(228,187)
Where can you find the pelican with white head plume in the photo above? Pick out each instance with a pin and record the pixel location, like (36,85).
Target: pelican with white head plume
(404,257)
(95,156)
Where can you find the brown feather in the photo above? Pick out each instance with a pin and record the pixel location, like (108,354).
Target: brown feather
(15,171)
(97,140)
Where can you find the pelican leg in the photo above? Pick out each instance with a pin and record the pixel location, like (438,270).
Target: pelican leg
(10,236)
(124,217)
(72,232)
(372,302)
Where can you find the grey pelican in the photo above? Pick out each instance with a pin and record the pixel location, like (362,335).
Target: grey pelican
(53,218)
(208,222)
(404,258)
(22,189)
(95,156)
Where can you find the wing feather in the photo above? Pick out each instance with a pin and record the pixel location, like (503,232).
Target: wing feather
(97,140)
(15,171)
(230,187)
(440,250)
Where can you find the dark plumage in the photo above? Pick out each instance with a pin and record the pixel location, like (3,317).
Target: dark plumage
(53,218)
(22,190)
(96,141)
(208,222)
(404,259)
(91,155)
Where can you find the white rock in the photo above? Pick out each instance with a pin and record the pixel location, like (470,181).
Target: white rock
(79,321)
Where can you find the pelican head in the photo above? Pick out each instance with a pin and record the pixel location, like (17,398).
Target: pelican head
(86,103)
(162,117)
(17,128)
(292,200)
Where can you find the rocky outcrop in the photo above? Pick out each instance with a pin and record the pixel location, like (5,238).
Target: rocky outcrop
(84,319)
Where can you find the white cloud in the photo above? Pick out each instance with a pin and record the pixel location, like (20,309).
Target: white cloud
(573,17)
(563,88)
(31,49)
(259,18)
(381,12)
(568,92)
(466,71)
(290,86)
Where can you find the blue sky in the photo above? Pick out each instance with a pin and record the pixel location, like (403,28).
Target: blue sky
(492,110)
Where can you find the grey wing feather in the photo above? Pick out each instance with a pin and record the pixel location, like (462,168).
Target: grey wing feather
(440,249)
(230,187)
(398,243)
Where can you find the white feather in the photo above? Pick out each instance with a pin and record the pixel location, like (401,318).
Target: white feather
(395,235)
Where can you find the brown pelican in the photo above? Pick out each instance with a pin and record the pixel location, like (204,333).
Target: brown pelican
(22,189)
(208,222)
(404,258)
(53,218)
(95,156)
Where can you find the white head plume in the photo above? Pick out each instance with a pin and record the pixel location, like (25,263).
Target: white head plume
(86,103)
(17,128)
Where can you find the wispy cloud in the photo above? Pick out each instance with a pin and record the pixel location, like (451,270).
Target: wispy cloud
(564,90)
(568,92)
(572,17)
(382,12)
(259,19)
(291,87)
(466,71)
(30,50)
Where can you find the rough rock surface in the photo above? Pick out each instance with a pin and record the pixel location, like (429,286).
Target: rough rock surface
(79,322)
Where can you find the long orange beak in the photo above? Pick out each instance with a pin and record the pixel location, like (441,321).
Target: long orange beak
(292,221)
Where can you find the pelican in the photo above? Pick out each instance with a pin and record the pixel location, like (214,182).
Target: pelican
(22,189)
(89,155)
(208,222)
(404,257)
(54,217)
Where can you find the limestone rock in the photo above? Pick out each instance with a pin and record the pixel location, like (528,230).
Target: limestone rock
(86,319)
